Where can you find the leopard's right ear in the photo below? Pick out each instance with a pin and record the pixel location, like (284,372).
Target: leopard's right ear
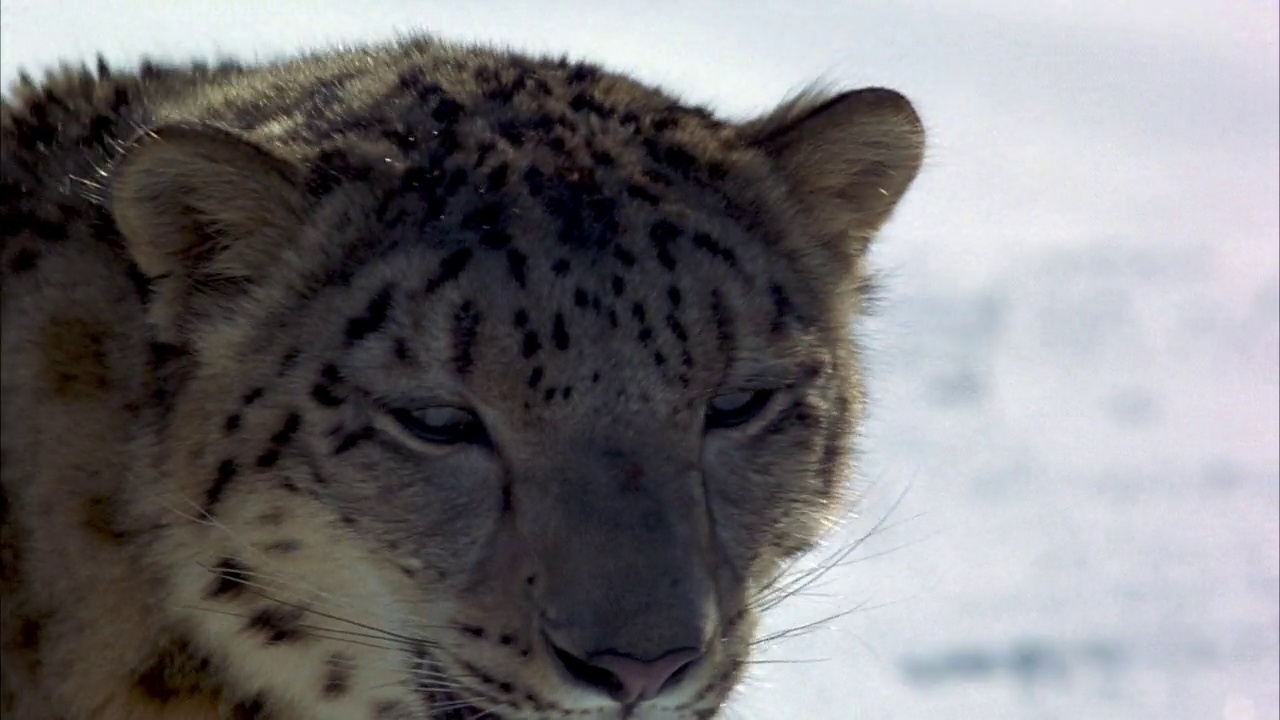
(204,213)
(204,204)
(847,160)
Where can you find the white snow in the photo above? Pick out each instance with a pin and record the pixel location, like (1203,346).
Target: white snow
(1076,366)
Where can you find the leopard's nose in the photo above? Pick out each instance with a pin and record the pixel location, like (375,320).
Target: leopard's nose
(627,679)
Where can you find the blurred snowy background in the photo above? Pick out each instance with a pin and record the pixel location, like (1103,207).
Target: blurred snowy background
(1075,366)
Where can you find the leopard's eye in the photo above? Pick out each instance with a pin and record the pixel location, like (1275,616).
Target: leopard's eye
(442,425)
(732,409)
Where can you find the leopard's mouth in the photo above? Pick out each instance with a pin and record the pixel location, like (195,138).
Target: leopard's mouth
(447,705)
(444,703)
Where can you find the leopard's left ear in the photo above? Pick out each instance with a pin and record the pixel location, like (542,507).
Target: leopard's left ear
(205,204)
(847,160)
(206,214)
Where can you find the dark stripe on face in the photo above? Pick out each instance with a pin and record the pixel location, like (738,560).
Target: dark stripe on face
(724,325)
(280,440)
(323,393)
(373,318)
(450,268)
(227,470)
(353,439)
(711,246)
(466,323)
(782,307)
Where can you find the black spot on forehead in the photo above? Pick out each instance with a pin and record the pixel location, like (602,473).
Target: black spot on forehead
(584,102)
(662,233)
(580,73)
(559,335)
(671,155)
(288,361)
(22,260)
(710,245)
(447,111)
(624,256)
(497,178)
(416,81)
(502,82)
(400,348)
(482,217)
(494,238)
(586,213)
(483,151)
(642,194)
(534,180)
(425,190)
(529,344)
(517,262)
(657,177)
(677,328)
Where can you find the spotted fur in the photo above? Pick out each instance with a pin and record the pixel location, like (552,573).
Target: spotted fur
(417,381)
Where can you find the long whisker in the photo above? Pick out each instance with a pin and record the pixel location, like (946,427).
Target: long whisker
(373,631)
(787,661)
(808,627)
(774,591)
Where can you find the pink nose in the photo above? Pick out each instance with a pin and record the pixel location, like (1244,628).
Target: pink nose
(640,680)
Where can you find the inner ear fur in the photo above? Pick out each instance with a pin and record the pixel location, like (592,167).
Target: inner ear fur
(204,203)
(846,159)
